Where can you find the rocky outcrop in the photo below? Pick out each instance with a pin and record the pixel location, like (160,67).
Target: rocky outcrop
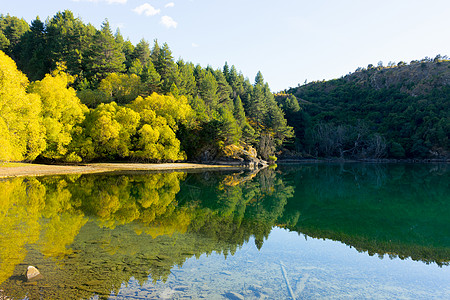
(244,156)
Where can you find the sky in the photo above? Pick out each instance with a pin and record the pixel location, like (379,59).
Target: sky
(290,41)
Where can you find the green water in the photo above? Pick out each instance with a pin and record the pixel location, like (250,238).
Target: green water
(300,231)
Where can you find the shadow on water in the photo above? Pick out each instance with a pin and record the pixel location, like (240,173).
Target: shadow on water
(89,234)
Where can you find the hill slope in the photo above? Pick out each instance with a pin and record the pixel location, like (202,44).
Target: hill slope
(399,112)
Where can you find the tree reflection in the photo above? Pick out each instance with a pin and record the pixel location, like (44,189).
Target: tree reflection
(399,210)
(94,232)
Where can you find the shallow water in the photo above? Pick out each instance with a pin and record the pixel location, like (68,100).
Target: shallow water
(300,231)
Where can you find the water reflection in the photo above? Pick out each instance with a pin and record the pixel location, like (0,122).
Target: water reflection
(399,210)
(90,233)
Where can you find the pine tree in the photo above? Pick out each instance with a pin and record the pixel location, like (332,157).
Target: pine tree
(106,55)
(239,113)
(68,39)
(151,79)
(12,29)
(223,90)
(127,49)
(207,88)
(185,78)
(163,61)
(32,54)
(226,72)
(142,52)
(229,131)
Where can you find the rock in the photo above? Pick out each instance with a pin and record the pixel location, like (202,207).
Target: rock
(181,288)
(226,273)
(234,296)
(255,288)
(244,156)
(93,282)
(33,273)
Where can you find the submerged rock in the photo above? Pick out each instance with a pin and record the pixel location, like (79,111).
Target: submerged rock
(234,296)
(33,273)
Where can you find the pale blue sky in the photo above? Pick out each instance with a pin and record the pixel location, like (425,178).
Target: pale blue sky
(287,40)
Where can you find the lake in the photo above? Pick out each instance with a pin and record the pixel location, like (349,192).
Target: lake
(301,231)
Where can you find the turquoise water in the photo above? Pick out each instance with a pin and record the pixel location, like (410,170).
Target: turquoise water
(300,231)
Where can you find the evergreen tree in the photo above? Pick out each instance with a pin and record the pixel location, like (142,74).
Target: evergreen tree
(142,52)
(4,42)
(127,49)
(259,79)
(236,81)
(106,54)
(239,113)
(229,131)
(291,104)
(207,88)
(151,79)
(164,65)
(257,107)
(12,29)
(68,39)
(226,72)
(185,79)
(223,90)
(32,54)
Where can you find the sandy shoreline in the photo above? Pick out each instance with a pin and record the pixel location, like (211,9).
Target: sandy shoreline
(20,169)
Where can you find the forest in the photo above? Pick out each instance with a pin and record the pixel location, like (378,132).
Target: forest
(70,92)
(397,111)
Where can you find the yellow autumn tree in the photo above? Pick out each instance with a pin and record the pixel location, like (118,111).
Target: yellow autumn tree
(62,113)
(160,117)
(176,110)
(21,132)
(120,88)
(108,132)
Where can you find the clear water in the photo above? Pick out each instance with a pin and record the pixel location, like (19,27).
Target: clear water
(363,231)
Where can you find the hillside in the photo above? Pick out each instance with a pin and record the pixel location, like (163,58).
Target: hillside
(400,111)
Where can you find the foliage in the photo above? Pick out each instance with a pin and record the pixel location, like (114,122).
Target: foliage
(120,88)
(21,133)
(107,133)
(12,29)
(215,108)
(62,113)
(160,117)
(405,107)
